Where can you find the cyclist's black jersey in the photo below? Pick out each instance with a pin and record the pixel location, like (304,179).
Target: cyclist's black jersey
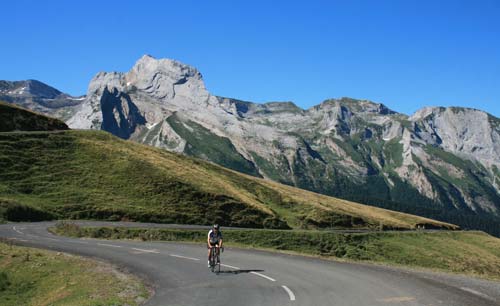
(213,237)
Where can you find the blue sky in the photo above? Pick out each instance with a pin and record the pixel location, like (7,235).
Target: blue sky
(406,54)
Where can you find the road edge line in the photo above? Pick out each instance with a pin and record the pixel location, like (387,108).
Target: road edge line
(264,276)
(290,293)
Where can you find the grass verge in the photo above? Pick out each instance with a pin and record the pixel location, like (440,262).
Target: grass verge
(471,253)
(37,277)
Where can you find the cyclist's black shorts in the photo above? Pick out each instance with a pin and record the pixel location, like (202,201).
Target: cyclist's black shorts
(210,244)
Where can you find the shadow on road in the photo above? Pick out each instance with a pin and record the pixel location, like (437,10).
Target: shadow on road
(238,271)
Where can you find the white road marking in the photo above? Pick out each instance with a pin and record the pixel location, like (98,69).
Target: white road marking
(18,239)
(184,257)
(110,245)
(477,293)
(397,299)
(146,251)
(290,293)
(17,231)
(232,267)
(51,238)
(264,276)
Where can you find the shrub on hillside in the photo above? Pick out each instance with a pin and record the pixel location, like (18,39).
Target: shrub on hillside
(13,211)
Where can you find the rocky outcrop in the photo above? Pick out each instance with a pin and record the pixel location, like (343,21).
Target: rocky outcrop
(470,133)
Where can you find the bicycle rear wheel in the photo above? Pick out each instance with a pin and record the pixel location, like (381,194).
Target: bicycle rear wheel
(212,260)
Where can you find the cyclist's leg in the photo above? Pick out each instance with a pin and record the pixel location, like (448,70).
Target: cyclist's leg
(209,247)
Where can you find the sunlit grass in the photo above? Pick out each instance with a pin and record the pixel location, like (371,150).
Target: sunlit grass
(37,277)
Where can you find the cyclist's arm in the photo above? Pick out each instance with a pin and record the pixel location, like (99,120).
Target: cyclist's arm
(208,239)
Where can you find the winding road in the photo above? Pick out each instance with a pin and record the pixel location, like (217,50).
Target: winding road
(179,275)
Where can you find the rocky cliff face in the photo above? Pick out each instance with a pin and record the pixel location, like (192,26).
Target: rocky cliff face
(39,97)
(439,162)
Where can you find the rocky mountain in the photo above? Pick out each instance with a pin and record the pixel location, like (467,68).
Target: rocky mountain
(442,163)
(39,97)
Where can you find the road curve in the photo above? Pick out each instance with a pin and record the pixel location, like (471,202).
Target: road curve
(179,275)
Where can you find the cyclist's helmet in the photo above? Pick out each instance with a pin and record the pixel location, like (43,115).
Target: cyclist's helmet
(216,226)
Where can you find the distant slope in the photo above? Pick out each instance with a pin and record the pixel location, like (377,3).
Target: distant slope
(39,97)
(14,118)
(94,175)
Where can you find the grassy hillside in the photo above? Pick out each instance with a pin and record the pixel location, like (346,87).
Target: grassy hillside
(474,253)
(14,118)
(37,277)
(93,175)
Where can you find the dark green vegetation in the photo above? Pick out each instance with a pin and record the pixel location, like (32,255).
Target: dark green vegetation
(4,281)
(13,211)
(473,253)
(94,175)
(37,277)
(13,118)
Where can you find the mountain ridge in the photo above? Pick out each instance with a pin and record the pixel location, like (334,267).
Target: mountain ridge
(40,97)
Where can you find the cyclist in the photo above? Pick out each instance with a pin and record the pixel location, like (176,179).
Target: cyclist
(214,239)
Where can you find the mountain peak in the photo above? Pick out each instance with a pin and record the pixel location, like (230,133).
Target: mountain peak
(358,106)
(450,110)
(156,77)
(148,65)
(147,56)
(40,89)
(29,88)
(160,75)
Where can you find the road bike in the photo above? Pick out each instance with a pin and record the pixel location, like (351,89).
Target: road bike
(215,259)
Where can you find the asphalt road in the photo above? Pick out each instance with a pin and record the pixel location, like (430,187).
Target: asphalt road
(179,275)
